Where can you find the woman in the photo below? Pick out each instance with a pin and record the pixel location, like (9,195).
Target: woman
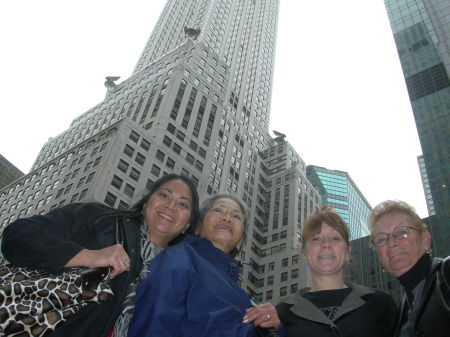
(84,235)
(191,289)
(332,307)
(403,243)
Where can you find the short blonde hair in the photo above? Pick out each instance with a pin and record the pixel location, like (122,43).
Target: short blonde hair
(313,225)
(396,206)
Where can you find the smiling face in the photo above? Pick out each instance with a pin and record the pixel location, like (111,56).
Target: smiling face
(167,211)
(326,252)
(223,224)
(398,256)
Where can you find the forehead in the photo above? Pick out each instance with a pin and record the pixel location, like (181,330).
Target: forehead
(227,203)
(387,222)
(326,228)
(177,187)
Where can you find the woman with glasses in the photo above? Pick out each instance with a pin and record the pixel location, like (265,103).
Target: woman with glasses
(191,288)
(403,245)
(331,306)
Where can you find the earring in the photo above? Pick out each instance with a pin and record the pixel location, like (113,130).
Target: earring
(381,267)
(428,251)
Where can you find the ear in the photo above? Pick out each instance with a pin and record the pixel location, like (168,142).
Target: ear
(348,259)
(426,240)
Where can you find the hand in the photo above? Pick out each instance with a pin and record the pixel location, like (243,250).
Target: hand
(263,315)
(112,256)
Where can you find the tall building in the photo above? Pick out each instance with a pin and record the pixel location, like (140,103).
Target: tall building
(338,191)
(197,103)
(421,31)
(8,172)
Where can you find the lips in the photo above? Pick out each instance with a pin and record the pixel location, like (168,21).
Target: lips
(327,257)
(165,217)
(224,227)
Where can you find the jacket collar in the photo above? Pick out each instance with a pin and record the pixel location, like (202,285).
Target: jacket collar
(221,260)
(304,308)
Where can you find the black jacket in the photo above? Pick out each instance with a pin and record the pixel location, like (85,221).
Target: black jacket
(365,312)
(433,305)
(50,241)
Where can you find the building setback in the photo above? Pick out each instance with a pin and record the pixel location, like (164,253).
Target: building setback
(8,172)
(421,31)
(198,104)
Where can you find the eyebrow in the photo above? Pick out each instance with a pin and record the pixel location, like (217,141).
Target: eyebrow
(233,209)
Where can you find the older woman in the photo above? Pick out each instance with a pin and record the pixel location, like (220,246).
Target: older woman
(191,289)
(333,307)
(84,235)
(403,243)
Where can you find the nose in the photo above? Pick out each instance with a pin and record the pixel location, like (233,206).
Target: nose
(325,241)
(391,241)
(171,203)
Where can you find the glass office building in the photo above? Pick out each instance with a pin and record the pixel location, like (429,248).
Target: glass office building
(339,191)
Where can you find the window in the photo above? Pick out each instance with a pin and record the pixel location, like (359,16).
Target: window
(128,150)
(155,170)
(110,199)
(83,194)
(176,148)
(294,288)
(284,276)
(135,174)
(145,144)
(271,266)
(117,182)
(283,291)
(190,158)
(123,166)
(269,295)
(140,159)
(128,190)
(90,177)
(284,262)
(295,259)
(123,205)
(134,136)
(170,163)
(160,155)
(167,141)
(294,273)
(270,280)
(199,165)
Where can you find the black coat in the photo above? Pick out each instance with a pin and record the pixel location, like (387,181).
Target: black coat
(433,305)
(50,241)
(365,312)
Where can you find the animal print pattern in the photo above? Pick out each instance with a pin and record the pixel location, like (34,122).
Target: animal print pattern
(34,303)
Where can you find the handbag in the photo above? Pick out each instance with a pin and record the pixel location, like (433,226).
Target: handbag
(35,302)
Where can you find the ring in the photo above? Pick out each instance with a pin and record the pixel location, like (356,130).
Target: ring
(268,317)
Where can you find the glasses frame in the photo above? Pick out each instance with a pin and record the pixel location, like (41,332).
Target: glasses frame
(392,235)
(222,211)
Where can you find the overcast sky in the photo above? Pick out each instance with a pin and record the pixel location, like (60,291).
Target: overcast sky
(338,91)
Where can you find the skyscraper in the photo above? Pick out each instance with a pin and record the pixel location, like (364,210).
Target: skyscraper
(8,172)
(197,103)
(339,191)
(421,31)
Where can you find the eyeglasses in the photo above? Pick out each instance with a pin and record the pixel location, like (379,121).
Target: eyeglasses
(398,233)
(222,211)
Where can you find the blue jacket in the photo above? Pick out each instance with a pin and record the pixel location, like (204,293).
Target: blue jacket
(191,290)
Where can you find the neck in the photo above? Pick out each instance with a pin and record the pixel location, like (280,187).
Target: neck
(328,282)
(416,273)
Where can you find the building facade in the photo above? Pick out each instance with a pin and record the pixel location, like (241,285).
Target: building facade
(338,191)
(421,31)
(8,172)
(198,104)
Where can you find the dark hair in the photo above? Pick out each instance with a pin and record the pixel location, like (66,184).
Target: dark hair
(313,225)
(207,205)
(136,210)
